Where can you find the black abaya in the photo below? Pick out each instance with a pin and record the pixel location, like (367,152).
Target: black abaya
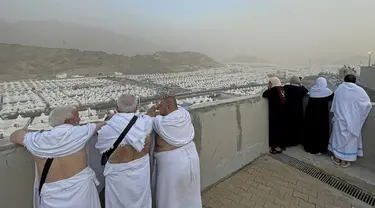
(276,117)
(317,125)
(294,110)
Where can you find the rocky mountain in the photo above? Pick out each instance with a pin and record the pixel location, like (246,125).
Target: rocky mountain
(185,58)
(55,34)
(27,61)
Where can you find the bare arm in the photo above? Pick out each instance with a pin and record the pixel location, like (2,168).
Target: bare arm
(108,117)
(151,112)
(99,125)
(18,136)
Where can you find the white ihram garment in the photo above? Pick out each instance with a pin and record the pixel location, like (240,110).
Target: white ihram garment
(127,184)
(351,106)
(177,172)
(94,161)
(62,141)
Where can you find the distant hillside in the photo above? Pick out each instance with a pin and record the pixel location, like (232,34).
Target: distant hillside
(246,59)
(21,61)
(55,34)
(185,58)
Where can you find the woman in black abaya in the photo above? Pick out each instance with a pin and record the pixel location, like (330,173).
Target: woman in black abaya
(294,93)
(276,116)
(317,118)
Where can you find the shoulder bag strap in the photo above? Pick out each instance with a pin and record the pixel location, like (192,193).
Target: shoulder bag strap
(46,168)
(121,137)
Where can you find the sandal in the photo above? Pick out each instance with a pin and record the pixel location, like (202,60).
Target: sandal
(333,158)
(273,151)
(345,164)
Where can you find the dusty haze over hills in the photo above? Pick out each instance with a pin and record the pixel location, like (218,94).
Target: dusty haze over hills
(23,62)
(288,31)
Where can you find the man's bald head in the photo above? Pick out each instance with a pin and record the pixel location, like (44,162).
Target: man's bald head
(167,105)
(171,100)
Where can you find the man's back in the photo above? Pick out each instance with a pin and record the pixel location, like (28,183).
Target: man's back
(127,153)
(127,172)
(162,145)
(64,167)
(69,182)
(68,172)
(177,161)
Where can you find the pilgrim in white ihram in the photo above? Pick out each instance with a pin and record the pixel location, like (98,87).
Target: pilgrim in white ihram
(177,171)
(77,191)
(127,183)
(351,106)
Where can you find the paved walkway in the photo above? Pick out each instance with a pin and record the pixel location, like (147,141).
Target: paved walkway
(268,183)
(362,177)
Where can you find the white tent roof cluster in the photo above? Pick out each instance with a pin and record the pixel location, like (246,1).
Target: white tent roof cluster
(57,98)
(246,91)
(18,98)
(207,79)
(90,82)
(196,100)
(40,123)
(7,127)
(68,83)
(333,78)
(13,86)
(89,115)
(104,94)
(302,72)
(73,92)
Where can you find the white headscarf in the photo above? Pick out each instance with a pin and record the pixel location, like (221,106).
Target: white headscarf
(275,81)
(320,90)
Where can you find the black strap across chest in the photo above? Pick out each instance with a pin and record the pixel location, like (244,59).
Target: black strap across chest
(46,168)
(109,152)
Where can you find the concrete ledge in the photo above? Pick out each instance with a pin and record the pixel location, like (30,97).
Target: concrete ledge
(229,134)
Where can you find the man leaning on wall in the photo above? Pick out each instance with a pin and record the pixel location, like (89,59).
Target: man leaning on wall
(60,156)
(127,171)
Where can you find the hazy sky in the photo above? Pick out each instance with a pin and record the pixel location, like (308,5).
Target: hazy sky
(280,30)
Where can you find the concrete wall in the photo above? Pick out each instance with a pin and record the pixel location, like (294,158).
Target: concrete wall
(229,135)
(368,132)
(16,178)
(368,76)
(370,92)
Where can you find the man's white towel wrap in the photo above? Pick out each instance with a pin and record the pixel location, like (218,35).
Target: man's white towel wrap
(127,184)
(351,106)
(77,191)
(177,172)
